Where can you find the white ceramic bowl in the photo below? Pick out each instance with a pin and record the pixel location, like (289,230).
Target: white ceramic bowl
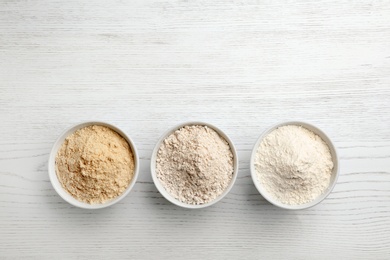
(56,183)
(160,187)
(335,171)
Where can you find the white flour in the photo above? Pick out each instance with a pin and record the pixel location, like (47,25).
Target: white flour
(293,164)
(195,164)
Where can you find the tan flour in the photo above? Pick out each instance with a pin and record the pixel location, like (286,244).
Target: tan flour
(95,164)
(195,164)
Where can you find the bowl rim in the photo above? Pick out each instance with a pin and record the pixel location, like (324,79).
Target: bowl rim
(335,170)
(160,187)
(53,173)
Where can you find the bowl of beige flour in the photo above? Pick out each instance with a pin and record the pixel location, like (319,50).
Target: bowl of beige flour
(194,165)
(294,165)
(93,165)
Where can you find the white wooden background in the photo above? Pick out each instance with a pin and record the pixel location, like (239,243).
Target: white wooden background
(147,65)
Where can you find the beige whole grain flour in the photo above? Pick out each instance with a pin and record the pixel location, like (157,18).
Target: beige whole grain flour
(293,164)
(95,164)
(195,164)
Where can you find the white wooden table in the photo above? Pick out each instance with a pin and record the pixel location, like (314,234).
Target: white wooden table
(241,65)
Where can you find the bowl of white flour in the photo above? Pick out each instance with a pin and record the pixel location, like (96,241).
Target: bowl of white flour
(294,165)
(194,165)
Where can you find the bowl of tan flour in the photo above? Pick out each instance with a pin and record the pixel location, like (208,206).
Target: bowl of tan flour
(194,165)
(93,165)
(294,165)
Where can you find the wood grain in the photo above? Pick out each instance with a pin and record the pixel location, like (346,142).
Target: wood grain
(241,65)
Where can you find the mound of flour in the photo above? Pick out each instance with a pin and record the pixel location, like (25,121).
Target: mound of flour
(294,165)
(195,164)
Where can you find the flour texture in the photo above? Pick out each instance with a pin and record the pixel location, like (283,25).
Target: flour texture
(95,164)
(195,164)
(294,165)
